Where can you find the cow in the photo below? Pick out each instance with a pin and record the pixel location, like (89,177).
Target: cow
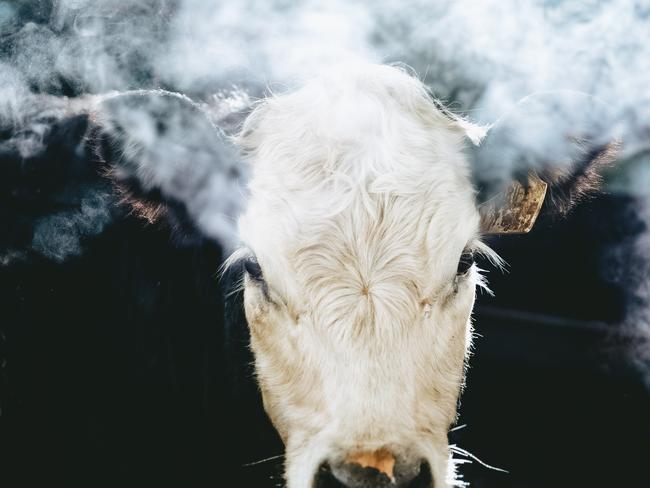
(358,244)
(363,219)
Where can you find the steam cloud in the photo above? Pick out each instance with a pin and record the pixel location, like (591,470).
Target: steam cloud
(480,58)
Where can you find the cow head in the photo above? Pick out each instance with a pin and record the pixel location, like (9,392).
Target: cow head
(358,244)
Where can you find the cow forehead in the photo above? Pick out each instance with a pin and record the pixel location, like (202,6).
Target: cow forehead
(359,183)
(375,261)
(378,267)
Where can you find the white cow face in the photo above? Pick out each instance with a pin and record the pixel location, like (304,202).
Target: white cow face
(359,236)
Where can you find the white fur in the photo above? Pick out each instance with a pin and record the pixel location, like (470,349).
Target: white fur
(360,207)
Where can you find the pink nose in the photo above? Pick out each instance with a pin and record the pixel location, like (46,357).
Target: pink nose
(377,469)
(381,460)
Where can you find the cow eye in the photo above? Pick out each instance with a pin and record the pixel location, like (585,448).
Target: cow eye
(465,262)
(253,269)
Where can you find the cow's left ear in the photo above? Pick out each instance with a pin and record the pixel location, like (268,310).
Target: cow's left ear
(543,157)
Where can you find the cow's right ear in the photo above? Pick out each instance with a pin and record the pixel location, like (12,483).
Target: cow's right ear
(541,159)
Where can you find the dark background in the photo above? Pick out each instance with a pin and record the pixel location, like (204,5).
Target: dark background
(124,367)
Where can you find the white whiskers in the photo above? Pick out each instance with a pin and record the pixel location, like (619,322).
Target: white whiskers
(455,449)
(265,460)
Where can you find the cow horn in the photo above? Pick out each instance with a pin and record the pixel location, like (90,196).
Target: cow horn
(514,210)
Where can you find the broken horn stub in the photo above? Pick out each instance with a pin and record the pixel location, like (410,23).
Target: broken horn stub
(514,210)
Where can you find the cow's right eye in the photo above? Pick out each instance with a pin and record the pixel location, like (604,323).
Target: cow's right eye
(465,262)
(253,269)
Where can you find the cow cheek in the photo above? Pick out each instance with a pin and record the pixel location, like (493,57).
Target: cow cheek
(288,384)
(439,394)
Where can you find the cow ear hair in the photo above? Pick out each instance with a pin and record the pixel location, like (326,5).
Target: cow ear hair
(546,154)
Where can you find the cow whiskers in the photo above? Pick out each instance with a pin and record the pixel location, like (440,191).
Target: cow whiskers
(454,478)
(265,460)
(458,450)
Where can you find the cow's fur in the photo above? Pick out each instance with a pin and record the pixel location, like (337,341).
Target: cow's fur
(360,207)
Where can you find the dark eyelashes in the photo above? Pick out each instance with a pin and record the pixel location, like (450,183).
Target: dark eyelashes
(253,269)
(254,272)
(465,262)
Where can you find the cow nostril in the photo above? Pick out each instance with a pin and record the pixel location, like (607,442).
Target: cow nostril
(326,479)
(349,475)
(424,478)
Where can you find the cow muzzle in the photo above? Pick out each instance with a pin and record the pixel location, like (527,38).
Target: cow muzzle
(378,469)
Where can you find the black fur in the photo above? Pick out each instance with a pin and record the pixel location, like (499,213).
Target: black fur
(48,181)
(569,186)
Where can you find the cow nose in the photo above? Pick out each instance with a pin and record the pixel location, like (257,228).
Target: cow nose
(382,461)
(376,469)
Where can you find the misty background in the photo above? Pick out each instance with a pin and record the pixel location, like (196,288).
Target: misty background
(590,60)
(479,58)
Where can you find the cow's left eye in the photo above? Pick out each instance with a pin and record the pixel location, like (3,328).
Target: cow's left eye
(465,262)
